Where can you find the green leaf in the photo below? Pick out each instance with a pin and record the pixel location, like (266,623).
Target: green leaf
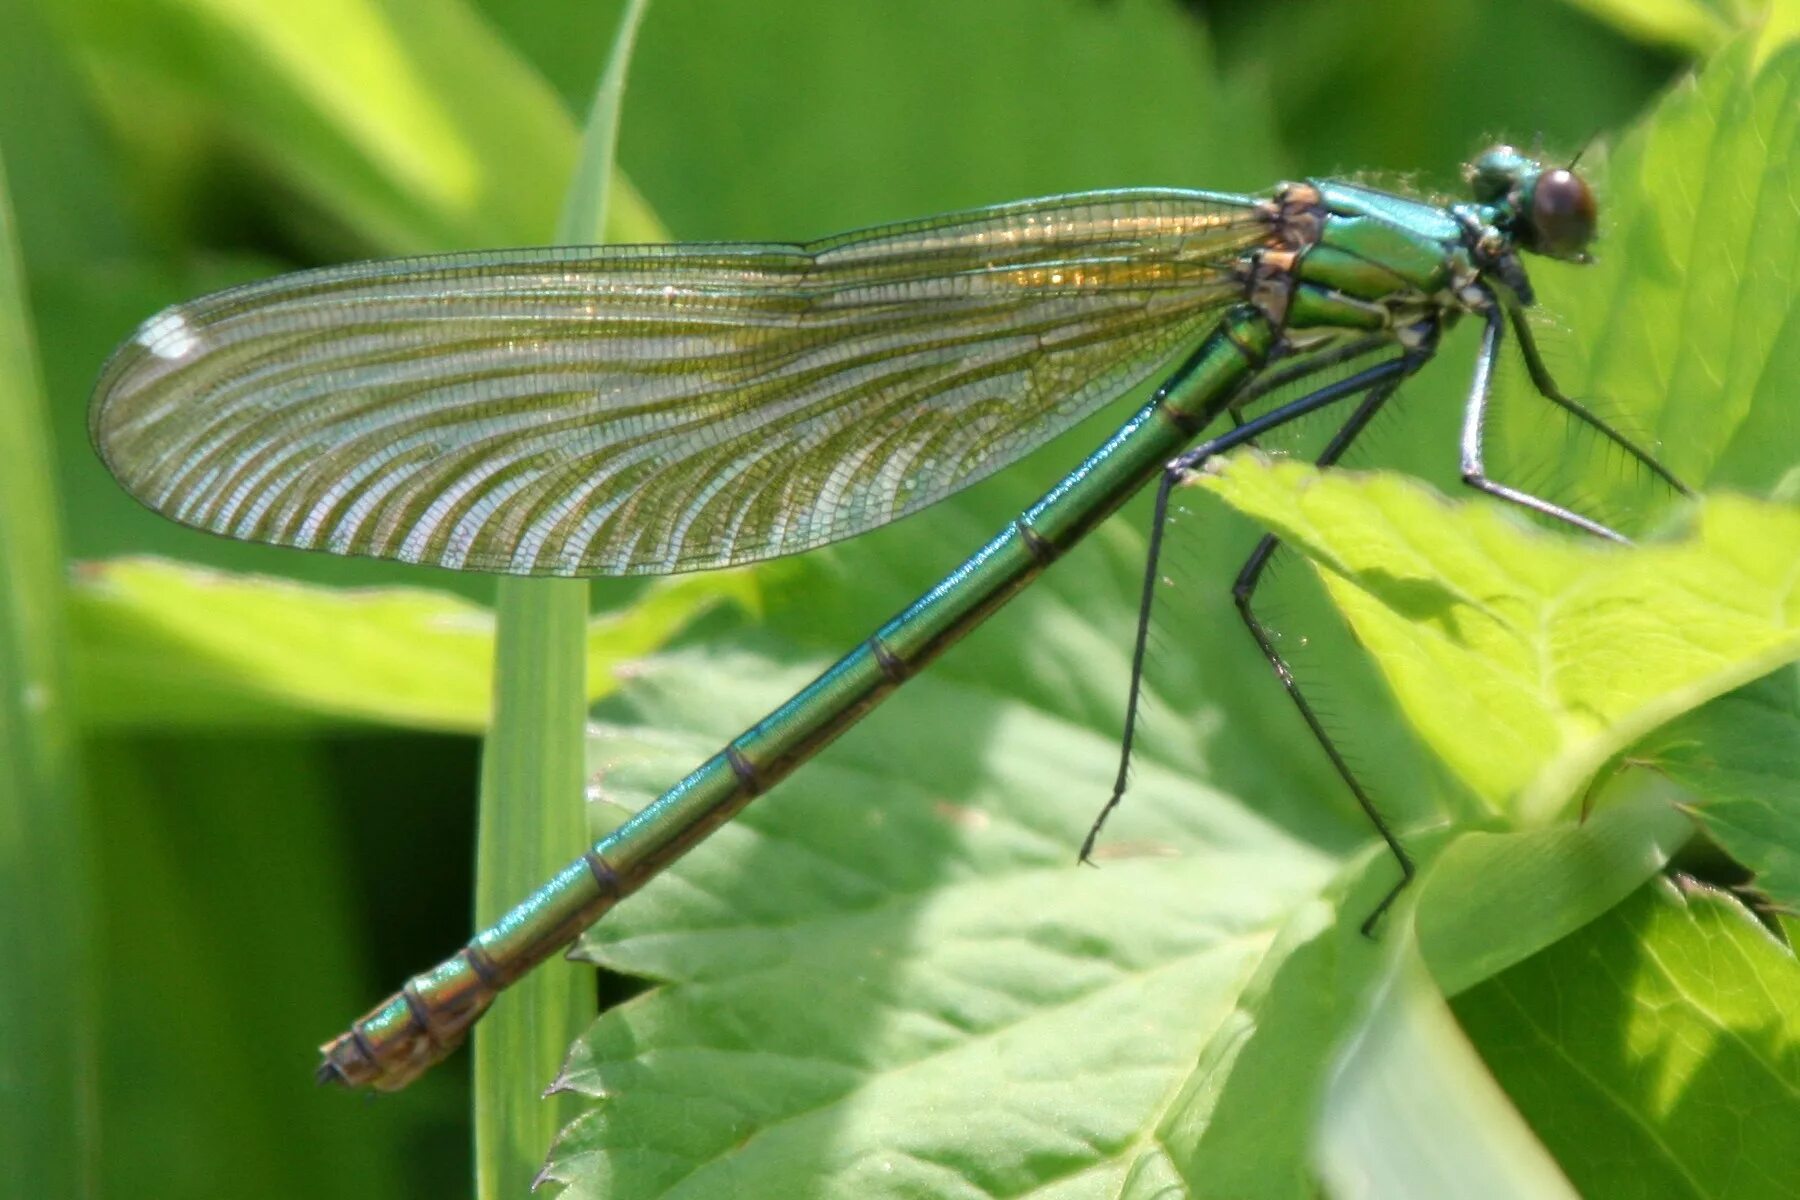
(1688,326)
(1527,658)
(529,823)
(925,977)
(163,646)
(1491,900)
(242,946)
(418,135)
(48,1102)
(1411,1111)
(864,983)
(1740,756)
(1552,656)
(932,991)
(1246,1121)
(904,894)
(1696,26)
(233,901)
(1698,340)
(1657,1052)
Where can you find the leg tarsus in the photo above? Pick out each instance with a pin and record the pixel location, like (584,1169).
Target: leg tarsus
(1172,475)
(1407,872)
(1243,592)
(1476,477)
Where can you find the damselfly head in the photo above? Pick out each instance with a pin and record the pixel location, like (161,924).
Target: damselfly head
(1549,210)
(1560,221)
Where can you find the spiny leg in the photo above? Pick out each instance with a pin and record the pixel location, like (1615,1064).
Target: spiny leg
(1474,467)
(1152,556)
(1546,386)
(1474,473)
(1383,377)
(1244,590)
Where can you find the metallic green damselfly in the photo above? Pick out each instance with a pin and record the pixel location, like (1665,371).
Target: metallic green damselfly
(649,409)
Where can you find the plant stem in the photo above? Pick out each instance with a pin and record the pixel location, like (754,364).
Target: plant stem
(532,772)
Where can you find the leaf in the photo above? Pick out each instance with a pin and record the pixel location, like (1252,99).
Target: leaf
(1556,684)
(1740,757)
(48,1097)
(1689,323)
(1695,26)
(1698,26)
(974,1006)
(162,646)
(1526,659)
(1657,1052)
(243,944)
(1246,1121)
(1491,900)
(1411,1111)
(245,133)
(878,909)
(419,135)
(887,979)
(1699,334)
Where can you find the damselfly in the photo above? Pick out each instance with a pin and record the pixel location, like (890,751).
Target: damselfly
(647,409)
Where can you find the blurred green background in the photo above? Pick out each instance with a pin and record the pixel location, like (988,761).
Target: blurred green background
(262,871)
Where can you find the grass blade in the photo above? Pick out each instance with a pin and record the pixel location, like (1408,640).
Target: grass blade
(47,1098)
(532,819)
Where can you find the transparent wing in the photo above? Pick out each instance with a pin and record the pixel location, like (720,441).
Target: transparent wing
(649,409)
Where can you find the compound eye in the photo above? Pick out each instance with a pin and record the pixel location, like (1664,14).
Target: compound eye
(1562,214)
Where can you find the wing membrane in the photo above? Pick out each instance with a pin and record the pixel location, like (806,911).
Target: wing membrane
(648,409)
